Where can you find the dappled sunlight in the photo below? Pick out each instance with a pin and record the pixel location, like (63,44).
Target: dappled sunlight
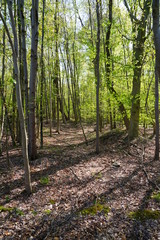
(70,178)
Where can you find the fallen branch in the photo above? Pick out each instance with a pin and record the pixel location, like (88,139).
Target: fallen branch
(75,174)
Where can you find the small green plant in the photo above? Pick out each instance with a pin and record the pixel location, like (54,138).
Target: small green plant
(145,214)
(52,201)
(156,196)
(44,180)
(48,211)
(6,209)
(93,210)
(19,212)
(7,199)
(97,175)
(34,212)
(11,210)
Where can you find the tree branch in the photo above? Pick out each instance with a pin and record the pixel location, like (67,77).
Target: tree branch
(7,31)
(133,17)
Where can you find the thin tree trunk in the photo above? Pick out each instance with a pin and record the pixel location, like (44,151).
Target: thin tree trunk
(8,119)
(24,53)
(50,96)
(69,68)
(2,83)
(56,19)
(42,76)
(97,73)
(14,47)
(69,94)
(1,130)
(90,22)
(7,147)
(156,31)
(108,69)
(20,60)
(33,76)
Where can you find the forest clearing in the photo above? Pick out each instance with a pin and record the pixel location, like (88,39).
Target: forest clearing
(79,119)
(69,177)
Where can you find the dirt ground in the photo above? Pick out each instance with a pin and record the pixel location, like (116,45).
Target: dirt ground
(68,177)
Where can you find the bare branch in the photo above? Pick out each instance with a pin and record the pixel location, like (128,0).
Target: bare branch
(140,5)
(133,17)
(7,31)
(13,26)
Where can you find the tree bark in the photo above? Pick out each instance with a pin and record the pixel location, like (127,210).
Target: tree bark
(33,76)
(156,31)
(24,53)
(14,47)
(138,50)
(56,80)
(110,86)
(42,77)
(97,73)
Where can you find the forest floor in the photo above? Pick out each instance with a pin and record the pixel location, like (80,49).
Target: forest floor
(78,194)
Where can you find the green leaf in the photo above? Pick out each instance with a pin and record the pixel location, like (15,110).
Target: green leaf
(48,211)
(19,212)
(12,80)
(156,196)
(44,180)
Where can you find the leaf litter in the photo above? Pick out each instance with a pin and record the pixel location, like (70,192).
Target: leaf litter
(69,178)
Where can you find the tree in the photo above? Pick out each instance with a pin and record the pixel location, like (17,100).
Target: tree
(139,34)
(32,85)
(108,68)
(18,94)
(42,75)
(156,31)
(56,79)
(24,54)
(97,72)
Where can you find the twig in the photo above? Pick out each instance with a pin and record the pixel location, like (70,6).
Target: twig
(75,174)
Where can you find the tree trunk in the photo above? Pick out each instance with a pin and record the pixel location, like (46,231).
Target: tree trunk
(42,77)
(156,31)
(138,50)
(19,99)
(97,73)
(24,53)
(56,80)
(108,69)
(1,129)
(33,75)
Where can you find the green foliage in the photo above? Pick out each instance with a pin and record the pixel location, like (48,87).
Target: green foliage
(145,214)
(93,210)
(18,212)
(48,211)
(156,196)
(6,209)
(97,175)
(34,212)
(7,199)
(11,210)
(123,37)
(12,80)
(52,201)
(44,180)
